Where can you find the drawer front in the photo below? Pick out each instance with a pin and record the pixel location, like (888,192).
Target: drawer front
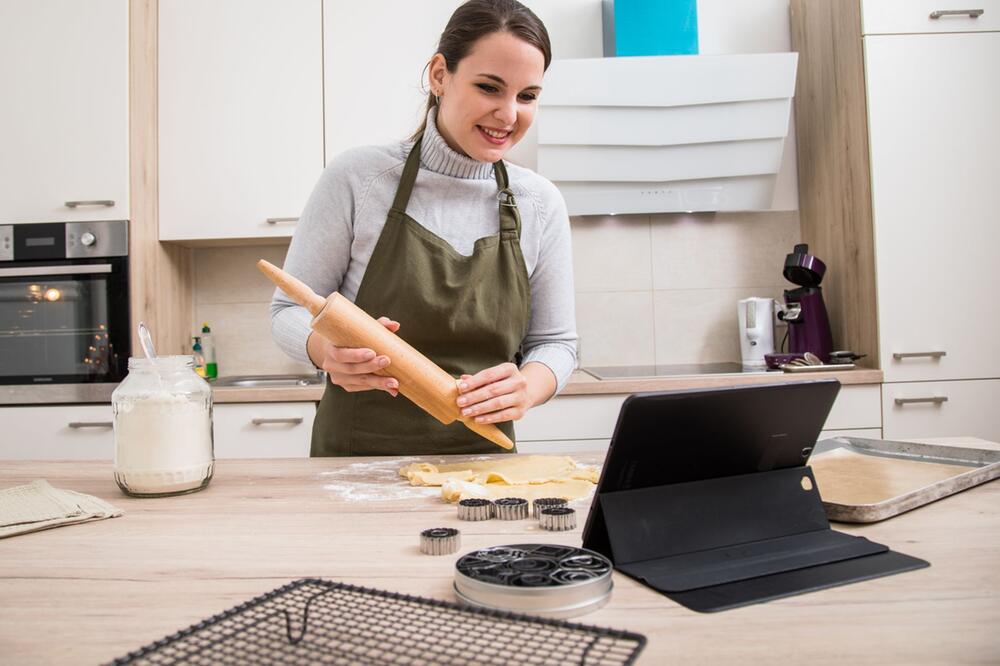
(857,406)
(942,409)
(64,432)
(264,430)
(881,17)
(572,417)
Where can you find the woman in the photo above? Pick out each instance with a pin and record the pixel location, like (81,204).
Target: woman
(466,258)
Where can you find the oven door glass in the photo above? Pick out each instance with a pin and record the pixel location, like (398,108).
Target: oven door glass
(63,323)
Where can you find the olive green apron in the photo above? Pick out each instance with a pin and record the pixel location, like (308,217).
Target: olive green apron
(464,313)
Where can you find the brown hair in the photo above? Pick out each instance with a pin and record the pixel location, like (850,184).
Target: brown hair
(478,18)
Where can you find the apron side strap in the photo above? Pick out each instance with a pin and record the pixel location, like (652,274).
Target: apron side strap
(510,217)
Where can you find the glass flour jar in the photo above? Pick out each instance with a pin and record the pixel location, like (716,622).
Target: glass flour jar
(163,428)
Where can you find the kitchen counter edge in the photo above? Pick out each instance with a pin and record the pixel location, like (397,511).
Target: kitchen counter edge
(579,384)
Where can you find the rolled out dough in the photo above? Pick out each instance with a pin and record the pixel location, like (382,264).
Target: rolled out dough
(524,476)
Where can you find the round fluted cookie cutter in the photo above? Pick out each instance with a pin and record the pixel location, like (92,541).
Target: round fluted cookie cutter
(557,519)
(475,509)
(511,508)
(541,579)
(546,503)
(440,541)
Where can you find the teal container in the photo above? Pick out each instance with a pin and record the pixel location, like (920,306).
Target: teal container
(650,27)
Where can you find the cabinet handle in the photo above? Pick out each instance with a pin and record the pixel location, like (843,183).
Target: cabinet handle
(291,420)
(77,425)
(971,13)
(276,220)
(937,400)
(934,354)
(99,202)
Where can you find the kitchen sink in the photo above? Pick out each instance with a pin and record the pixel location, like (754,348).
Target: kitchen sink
(270,381)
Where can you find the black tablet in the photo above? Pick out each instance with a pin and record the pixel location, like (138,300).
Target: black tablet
(681,436)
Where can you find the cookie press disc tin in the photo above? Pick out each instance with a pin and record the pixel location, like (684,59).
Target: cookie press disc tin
(539,579)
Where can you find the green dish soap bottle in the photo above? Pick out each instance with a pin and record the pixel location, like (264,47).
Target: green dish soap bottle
(208,349)
(199,357)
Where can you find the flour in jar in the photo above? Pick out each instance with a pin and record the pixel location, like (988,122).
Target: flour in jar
(163,442)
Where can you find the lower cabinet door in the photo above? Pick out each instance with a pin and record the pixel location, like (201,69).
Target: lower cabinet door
(264,429)
(57,432)
(961,408)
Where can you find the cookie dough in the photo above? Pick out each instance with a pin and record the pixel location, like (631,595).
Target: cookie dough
(524,476)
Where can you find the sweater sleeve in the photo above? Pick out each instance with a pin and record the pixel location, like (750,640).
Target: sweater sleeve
(319,254)
(551,337)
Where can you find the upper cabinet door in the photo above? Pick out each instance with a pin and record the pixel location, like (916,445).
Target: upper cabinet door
(935,160)
(240,116)
(64,114)
(374,92)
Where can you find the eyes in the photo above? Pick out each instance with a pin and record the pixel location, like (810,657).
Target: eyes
(493,90)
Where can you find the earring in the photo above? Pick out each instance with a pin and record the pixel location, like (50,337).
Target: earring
(437,99)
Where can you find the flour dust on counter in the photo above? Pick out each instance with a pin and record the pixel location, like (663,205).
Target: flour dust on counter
(375,481)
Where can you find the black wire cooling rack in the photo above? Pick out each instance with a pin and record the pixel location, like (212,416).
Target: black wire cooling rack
(313,621)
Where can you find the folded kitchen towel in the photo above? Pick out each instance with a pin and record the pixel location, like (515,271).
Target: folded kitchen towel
(38,506)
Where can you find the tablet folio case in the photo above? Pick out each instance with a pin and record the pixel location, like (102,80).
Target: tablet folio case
(731,541)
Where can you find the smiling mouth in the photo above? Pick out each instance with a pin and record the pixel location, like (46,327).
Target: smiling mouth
(494,136)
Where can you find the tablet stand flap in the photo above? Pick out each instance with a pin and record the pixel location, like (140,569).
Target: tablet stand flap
(686,536)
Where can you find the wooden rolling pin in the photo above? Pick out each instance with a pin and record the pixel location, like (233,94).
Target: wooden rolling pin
(420,379)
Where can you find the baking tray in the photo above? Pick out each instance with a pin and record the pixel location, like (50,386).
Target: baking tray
(867,480)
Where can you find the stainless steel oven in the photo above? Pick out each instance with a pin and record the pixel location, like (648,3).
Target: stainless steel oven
(64,304)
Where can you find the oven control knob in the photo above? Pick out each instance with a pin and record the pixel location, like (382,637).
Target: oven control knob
(87,238)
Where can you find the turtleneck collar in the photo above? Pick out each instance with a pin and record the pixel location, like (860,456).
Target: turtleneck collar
(436,155)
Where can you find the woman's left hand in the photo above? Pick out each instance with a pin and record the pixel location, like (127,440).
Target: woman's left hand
(495,394)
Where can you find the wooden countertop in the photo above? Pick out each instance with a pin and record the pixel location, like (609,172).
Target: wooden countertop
(583,384)
(89,593)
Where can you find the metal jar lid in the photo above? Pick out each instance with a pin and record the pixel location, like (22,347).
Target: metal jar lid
(540,579)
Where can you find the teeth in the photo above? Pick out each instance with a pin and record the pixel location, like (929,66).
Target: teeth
(494,133)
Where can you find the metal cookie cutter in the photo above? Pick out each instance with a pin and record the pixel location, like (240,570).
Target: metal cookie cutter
(440,541)
(511,508)
(557,519)
(546,503)
(475,509)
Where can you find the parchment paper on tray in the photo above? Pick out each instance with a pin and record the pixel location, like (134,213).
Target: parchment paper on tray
(867,480)
(38,506)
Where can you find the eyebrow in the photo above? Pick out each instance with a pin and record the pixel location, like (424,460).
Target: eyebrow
(494,77)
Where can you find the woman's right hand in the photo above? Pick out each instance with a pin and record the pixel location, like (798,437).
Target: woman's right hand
(353,368)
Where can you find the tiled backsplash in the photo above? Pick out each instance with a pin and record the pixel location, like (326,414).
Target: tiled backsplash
(649,289)
(233,297)
(663,288)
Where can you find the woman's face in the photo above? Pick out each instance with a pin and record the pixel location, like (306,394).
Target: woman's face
(490,100)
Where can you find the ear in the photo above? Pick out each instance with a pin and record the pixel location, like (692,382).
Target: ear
(436,71)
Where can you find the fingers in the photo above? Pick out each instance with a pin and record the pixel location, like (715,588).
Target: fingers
(353,369)
(389,323)
(494,395)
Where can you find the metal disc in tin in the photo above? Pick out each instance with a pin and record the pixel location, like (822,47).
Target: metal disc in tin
(540,579)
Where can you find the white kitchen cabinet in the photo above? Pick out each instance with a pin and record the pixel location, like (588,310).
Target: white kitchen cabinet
(942,409)
(57,432)
(240,116)
(934,138)
(373,87)
(64,118)
(587,422)
(264,430)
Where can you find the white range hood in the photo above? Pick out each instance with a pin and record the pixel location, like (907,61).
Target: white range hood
(666,133)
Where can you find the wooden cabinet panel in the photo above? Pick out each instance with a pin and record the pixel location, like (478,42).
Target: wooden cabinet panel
(64,118)
(264,430)
(240,116)
(935,156)
(63,432)
(969,411)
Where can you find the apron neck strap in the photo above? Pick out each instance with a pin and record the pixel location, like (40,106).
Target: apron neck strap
(510,219)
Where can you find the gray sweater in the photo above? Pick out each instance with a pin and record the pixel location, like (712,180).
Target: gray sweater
(455,197)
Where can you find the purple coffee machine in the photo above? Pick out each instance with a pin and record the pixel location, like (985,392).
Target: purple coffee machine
(804,312)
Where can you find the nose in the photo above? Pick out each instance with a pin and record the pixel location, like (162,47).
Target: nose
(506,112)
